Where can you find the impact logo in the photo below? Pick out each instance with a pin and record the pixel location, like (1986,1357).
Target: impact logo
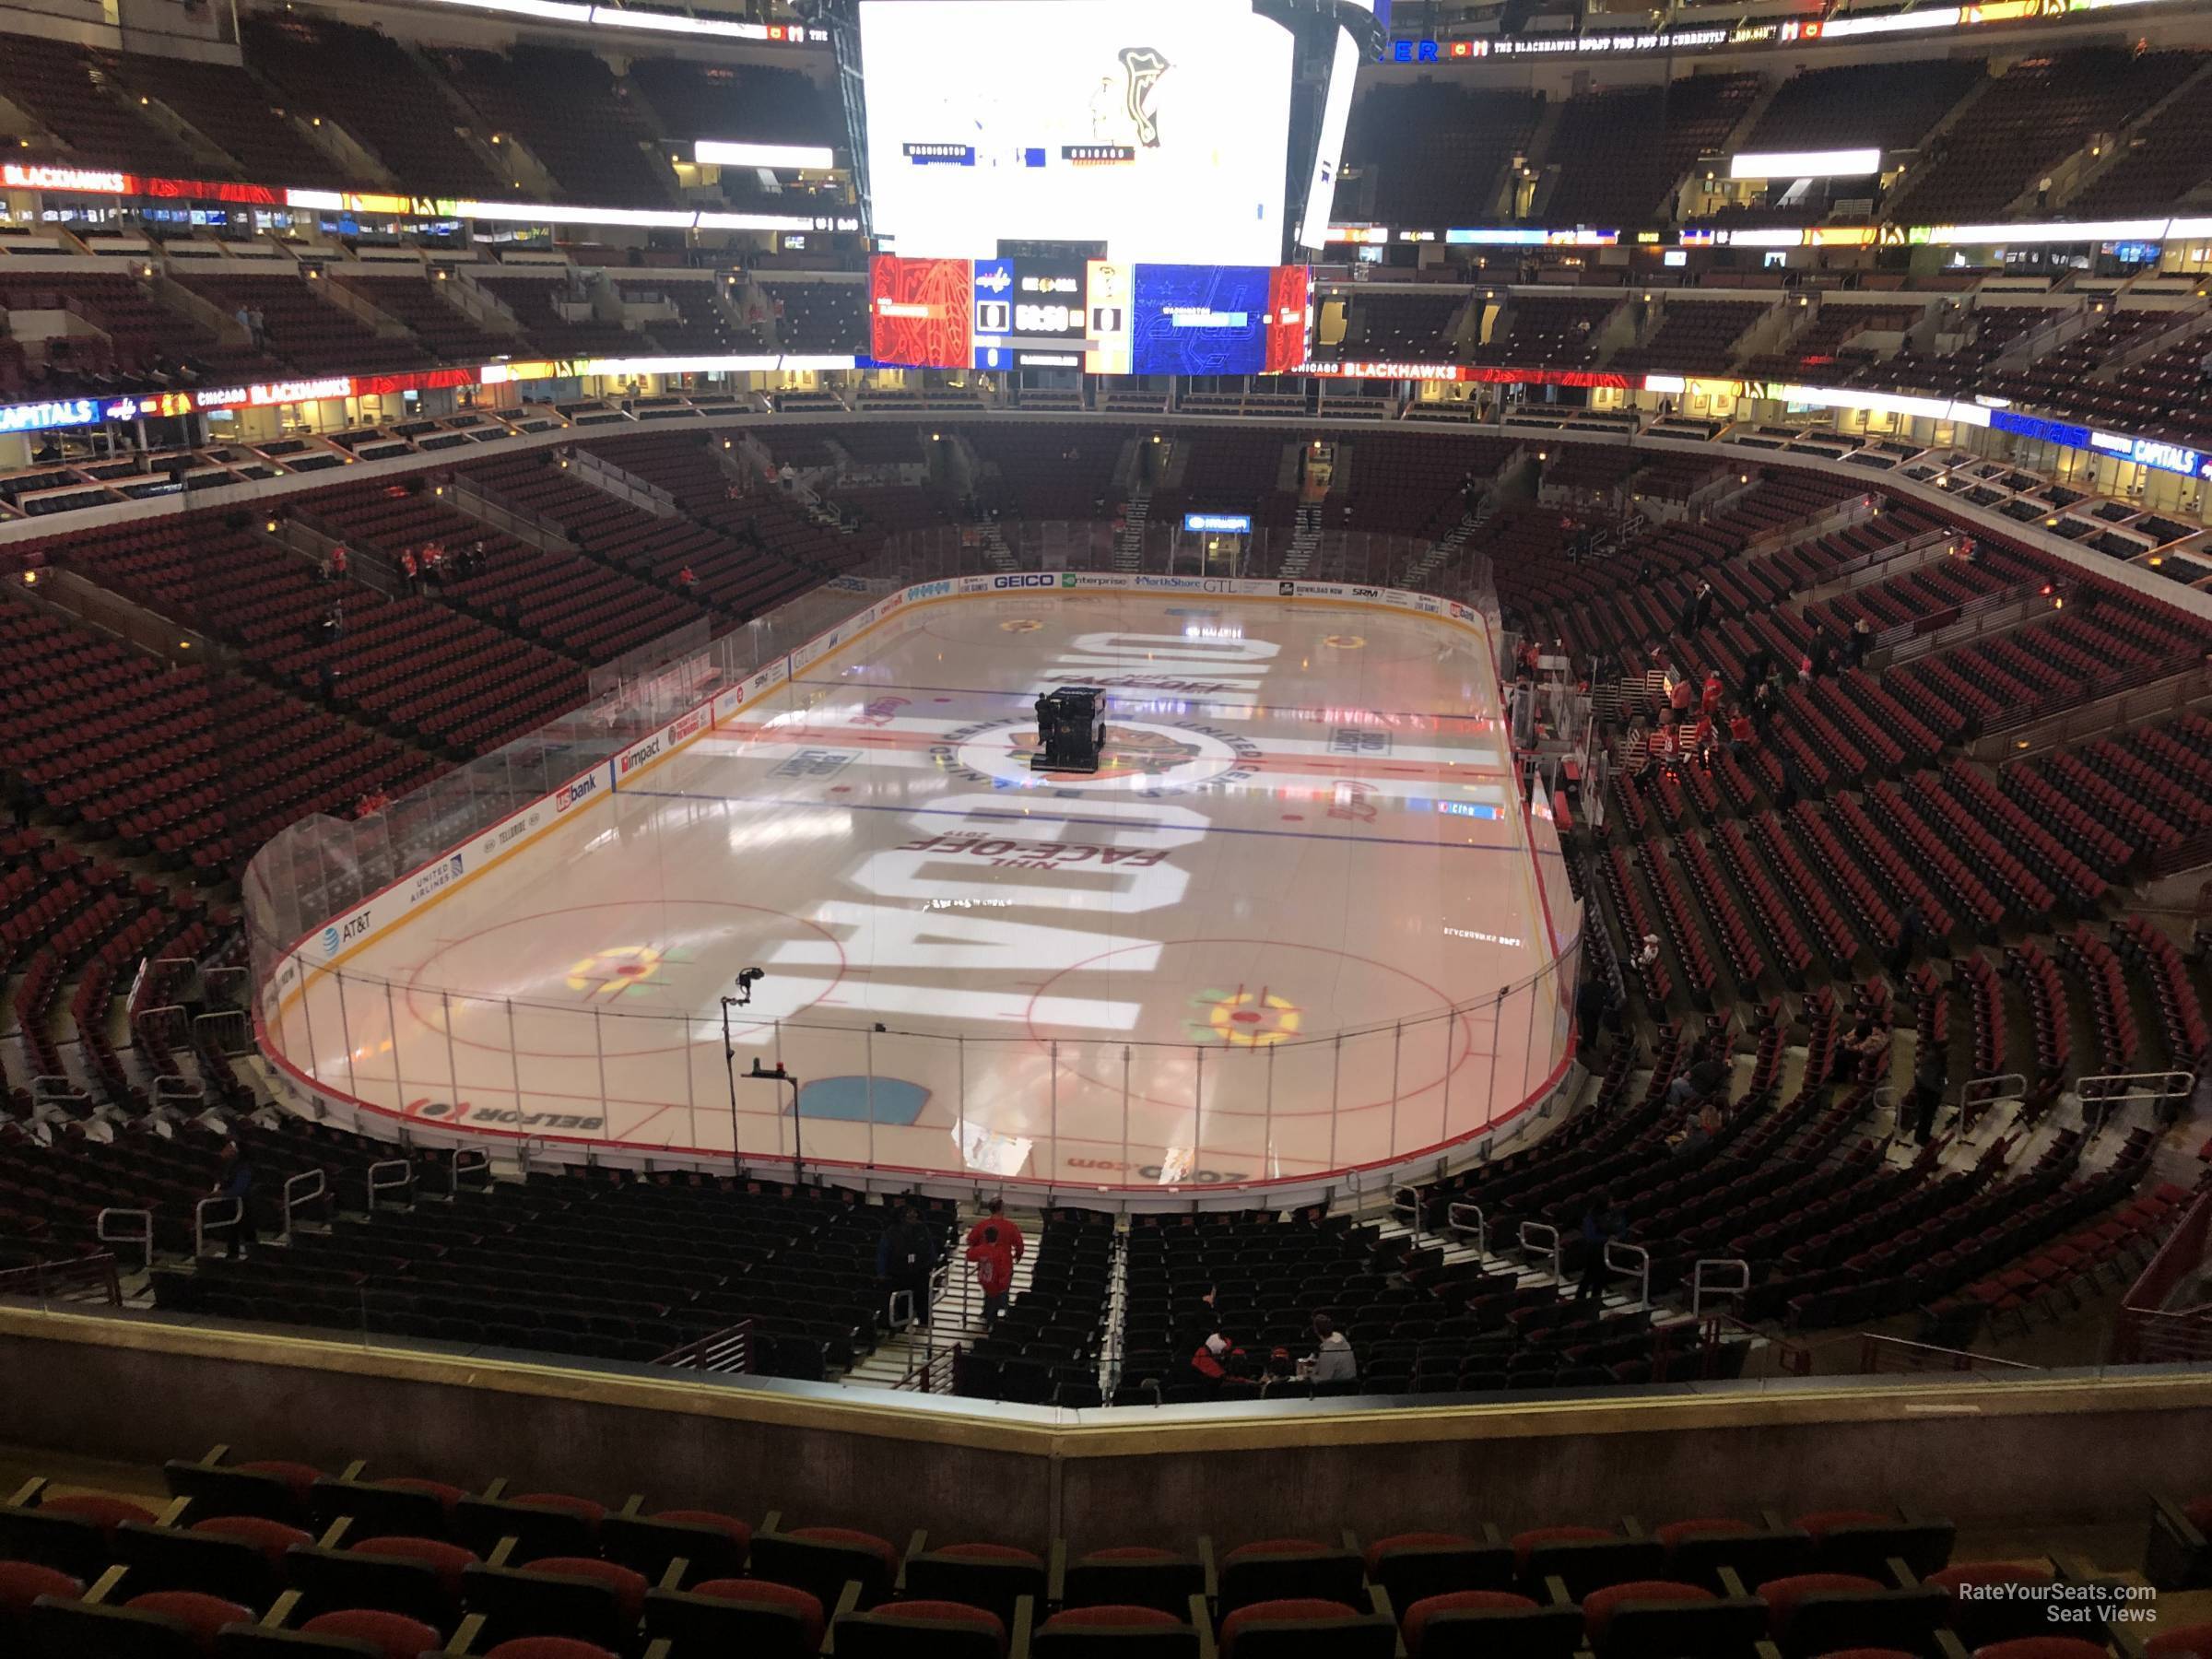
(582,789)
(435,878)
(637,756)
(1141,68)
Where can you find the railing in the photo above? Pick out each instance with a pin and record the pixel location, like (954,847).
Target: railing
(1879,1354)
(109,1228)
(391,1175)
(726,1352)
(2147,1330)
(521,523)
(2108,1089)
(2110,685)
(49,1089)
(609,480)
(225,1213)
(1532,1240)
(471,1161)
(1631,1260)
(1700,1285)
(1856,510)
(227,1031)
(937,1374)
(182,1093)
(1987,614)
(2169,692)
(50,1281)
(1458,1215)
(305,1188)
(1874,565)
(1977,1094)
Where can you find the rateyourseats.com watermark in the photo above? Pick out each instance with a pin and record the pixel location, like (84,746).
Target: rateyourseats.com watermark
(2097,1603)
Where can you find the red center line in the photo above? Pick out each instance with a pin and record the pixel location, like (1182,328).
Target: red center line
(1331,765)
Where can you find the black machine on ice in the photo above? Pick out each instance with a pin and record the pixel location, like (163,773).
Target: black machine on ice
(1071,729)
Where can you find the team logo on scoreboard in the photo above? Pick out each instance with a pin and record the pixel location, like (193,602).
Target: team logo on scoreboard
(1141,68)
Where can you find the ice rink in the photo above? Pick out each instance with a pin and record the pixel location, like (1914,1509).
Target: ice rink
(1266,939)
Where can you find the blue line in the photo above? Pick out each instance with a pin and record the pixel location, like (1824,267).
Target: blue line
(1109,823)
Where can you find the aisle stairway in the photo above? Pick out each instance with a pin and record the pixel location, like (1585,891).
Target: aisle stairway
(956,1313)
(1129,543)
(1304,540)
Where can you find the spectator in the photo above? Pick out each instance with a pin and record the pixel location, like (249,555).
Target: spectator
(1602,1223)
(995,1212)
(1332,1360)
(1701,604)
(1708,699)
(1861,642)
(234,1179)
(1930,1073)
(19,801)
(260,327)
(906,1257)
(322,569)
(687,579)
(410,570)
(1742,734)
(1705,1078)
(1648,956)
(1859,1050)
(993,1254)
(1216,1360)
(472,559)
(338,560)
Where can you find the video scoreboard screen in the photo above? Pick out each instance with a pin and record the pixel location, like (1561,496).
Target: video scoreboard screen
(1158,127)
(1097,315)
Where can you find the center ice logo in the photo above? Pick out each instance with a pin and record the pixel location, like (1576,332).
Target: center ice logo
(1242,1018)
(607,974)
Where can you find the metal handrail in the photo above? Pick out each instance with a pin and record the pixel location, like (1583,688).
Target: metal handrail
(1635,1260)
(469,1161)
(100,1267)
(139,1019)
(1454,1216)
(1977,1094)
(728,1351)
(1529,1240)
(2180,1085)
(1407,1201)
(305,1194)
(200,1223)
(143,1238)
(1697,1287)
(231,1033)
(389,1175)
(172,1091)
